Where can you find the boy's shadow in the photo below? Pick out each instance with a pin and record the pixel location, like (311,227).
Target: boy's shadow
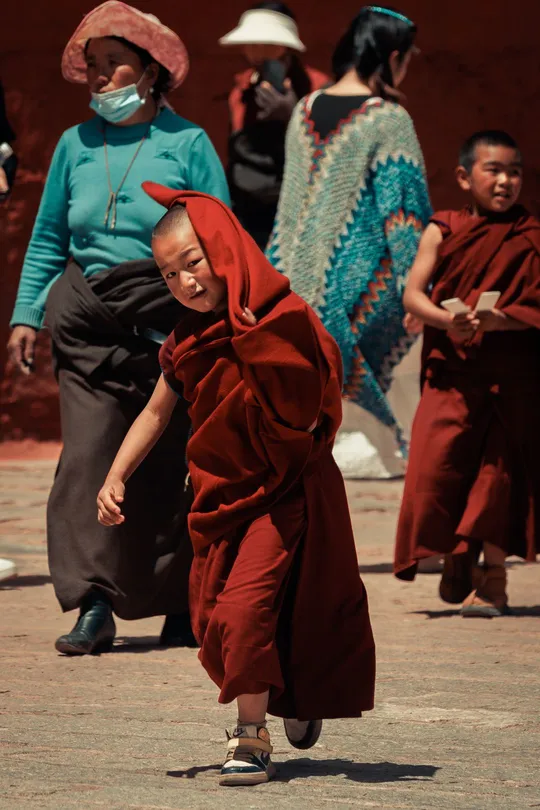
(142,644)
(365,772)
(136,644)
(25,581)
(515,612)
(376,568)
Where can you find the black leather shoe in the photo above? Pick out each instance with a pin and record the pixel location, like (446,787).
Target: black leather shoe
(94,632)
(177,632)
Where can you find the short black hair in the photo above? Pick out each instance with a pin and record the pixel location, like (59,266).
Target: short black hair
(176,216)
(485,137)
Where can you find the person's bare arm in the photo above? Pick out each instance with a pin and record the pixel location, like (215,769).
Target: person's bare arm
(415,299)
(142,436)
(418,303)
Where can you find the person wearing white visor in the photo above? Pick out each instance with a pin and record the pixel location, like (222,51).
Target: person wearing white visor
(260,106)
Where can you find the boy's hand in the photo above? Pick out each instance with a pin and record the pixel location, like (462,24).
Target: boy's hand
(248,317)
(492,321)
(111,494)
(412,324)
(463,326)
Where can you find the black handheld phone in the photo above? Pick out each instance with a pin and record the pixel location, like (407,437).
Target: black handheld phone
(274,72)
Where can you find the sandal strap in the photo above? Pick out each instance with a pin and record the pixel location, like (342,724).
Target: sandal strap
(250,739)
(249,742)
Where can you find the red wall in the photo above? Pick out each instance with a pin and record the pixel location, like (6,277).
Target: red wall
(478,68)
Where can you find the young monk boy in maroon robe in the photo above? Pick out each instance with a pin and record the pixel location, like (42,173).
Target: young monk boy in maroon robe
(473,480)
(276,600)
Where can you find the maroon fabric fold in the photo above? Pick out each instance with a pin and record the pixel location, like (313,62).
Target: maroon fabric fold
(265,403)
(473,472)
(479,254)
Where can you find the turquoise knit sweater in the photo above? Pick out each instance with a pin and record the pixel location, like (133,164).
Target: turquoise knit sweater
(352,210)
(70,220)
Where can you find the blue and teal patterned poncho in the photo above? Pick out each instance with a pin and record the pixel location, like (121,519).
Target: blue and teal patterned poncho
(352,210)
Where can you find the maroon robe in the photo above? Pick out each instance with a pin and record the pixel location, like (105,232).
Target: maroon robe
(474,467)
(276,598)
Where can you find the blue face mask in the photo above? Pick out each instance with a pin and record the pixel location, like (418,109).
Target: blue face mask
(118,105)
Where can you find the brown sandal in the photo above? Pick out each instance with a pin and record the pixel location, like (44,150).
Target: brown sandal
(489,599)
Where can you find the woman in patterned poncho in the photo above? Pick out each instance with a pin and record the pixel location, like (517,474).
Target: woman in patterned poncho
(354,203)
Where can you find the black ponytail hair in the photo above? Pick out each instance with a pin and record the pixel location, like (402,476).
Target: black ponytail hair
(369,42)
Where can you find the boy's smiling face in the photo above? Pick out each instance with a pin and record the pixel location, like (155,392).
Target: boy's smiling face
(495,179)
(187,271)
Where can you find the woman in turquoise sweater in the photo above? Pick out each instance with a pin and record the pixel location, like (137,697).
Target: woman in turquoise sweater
(89,276)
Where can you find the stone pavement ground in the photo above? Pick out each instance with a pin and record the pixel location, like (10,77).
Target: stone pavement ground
(456,727)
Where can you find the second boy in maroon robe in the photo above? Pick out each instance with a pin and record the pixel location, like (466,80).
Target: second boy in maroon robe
(473,480)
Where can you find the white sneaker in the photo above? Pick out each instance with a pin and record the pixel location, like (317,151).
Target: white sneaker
(248,757)
(8,569)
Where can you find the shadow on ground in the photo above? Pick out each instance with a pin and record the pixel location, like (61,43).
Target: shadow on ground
(388,568)
(137,644)
(28,581)
(366,772)
(141,644)
(515,612)
(377,568)
(191,773)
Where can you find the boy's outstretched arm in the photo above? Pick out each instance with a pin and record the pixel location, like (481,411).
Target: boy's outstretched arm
(142,436)
(415,299)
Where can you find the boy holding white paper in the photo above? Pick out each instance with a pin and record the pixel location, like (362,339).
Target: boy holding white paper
(473,481)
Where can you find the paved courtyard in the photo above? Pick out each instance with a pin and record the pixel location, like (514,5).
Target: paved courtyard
(456,727)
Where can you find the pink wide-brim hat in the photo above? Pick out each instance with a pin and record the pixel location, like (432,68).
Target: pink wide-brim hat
(116,19)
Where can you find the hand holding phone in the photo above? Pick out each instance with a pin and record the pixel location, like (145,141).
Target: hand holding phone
(274,94)
(487,301)
(274,71)
(455,306)
(463,324)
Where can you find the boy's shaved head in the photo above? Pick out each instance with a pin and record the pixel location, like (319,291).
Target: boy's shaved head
(487,137)
(173,219)
(184,264)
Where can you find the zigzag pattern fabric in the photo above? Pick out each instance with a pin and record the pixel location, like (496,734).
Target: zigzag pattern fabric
(352,209)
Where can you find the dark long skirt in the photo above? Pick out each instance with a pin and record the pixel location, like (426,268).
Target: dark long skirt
(107,369)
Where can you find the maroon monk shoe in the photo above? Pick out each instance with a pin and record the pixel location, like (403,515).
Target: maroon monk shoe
(458,577)
(303,734)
